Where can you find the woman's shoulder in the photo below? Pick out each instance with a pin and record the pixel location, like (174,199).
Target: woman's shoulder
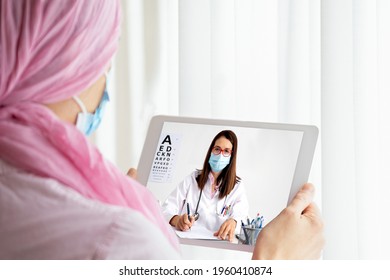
(238,181)
(196,173)
(239,185)
(190,178)
(193,175)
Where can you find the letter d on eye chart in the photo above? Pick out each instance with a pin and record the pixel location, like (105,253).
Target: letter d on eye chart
(163,166)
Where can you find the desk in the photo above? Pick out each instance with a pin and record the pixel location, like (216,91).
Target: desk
(218,244)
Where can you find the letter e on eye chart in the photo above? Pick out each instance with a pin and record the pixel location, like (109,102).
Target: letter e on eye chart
(163,166)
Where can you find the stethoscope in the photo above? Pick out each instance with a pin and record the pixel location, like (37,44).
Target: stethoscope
(196,214)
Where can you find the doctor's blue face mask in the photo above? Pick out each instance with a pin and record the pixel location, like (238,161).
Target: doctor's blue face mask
(88,122)
(218,162)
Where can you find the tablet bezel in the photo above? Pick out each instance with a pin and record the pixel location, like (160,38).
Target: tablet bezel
(301,173)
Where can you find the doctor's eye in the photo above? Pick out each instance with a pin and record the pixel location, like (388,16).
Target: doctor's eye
(227,152)
(217,150)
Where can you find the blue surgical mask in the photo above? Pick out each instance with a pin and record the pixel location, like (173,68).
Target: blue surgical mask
(88,122)
(218,162)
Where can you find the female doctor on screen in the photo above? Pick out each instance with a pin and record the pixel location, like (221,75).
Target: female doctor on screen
(213,197)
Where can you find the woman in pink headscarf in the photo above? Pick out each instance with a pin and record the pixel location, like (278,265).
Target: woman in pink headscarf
(59,197)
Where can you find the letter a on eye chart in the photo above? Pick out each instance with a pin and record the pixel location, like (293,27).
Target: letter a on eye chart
(164,162)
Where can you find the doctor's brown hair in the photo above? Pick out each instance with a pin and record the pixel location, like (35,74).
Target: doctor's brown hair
(227,178)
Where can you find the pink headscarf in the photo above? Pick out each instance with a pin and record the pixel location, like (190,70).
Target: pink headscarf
(50,51)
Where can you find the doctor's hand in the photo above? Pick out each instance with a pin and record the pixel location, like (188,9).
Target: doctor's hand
(296,233)
(182,222)
(226,231)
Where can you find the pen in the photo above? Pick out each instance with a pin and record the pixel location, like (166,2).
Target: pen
(261,222)
(188,211)
(257,223)
(245,233)
(227,210)
(223,209)
(183,205)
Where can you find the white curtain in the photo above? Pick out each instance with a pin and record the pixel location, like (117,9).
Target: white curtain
(144,78)
(298,61)
(355,128)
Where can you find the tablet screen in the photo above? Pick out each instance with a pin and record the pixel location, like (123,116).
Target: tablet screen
(266,161)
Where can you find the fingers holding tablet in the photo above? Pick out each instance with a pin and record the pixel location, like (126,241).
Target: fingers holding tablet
(132,173)
(296,233)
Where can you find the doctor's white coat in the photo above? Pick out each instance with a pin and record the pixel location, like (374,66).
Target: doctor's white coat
(212,210)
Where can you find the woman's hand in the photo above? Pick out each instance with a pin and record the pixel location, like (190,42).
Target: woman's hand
(182,222)
(132,173)
(296,233)
(226,230)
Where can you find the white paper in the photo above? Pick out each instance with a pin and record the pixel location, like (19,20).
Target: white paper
(197,233)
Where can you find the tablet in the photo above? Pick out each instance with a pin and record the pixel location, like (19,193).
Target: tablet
(273,160)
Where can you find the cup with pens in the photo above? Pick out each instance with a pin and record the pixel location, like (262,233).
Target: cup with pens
(251,230)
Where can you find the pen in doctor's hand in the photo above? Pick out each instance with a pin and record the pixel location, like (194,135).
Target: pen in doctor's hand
(188,212)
